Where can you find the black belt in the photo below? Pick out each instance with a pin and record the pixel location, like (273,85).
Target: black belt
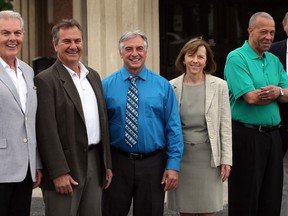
(264,129)
(136,156)
(92,146)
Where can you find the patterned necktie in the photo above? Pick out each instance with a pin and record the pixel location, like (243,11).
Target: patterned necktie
(131,126)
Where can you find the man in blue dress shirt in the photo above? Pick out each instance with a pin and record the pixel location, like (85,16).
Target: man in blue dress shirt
(144,170)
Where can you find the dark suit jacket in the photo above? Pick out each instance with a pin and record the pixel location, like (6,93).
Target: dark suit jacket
(61,130)
(279,49)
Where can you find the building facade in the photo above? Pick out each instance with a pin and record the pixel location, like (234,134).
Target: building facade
(167,23)
(103,22)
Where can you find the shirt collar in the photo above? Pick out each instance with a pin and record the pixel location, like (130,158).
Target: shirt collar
(5,65)
(250,52)
(126,74)
(83,70)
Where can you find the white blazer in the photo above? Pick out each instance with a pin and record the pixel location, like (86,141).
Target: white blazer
(17,129)
(217,115)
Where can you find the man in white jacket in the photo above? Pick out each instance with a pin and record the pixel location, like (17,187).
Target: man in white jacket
(19,160)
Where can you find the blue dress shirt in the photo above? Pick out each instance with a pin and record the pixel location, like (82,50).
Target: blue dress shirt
(159,124)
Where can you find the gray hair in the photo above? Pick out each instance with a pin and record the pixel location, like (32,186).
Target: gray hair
(5,14)
(132,34)
(252,21)
(285,20)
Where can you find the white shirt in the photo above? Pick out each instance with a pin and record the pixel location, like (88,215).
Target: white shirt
(18,81)
(89,104)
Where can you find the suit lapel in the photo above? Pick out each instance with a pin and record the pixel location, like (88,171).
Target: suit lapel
(285,53)
(282,52)
(70,88)
(210,91)
(177,85)
(97,90)
(95,85)
(4,77)
(29,84)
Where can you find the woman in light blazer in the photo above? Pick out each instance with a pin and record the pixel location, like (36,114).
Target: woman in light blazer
(206,125)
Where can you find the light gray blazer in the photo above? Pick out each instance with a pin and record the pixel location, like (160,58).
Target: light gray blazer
(17,129)
(217,115)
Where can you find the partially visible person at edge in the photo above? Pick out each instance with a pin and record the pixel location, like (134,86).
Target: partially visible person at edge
(19,160)
(144,170)
(256,81)
(280,50)
(206,125)
(72,129)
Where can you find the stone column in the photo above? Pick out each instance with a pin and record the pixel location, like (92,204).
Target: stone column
(108,19)
(27,10)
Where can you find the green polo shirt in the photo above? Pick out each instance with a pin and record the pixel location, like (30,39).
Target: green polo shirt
(245,71)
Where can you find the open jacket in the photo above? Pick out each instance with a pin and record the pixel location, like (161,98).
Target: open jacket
(18,148)
(280,49)
(217,115)
(61,131)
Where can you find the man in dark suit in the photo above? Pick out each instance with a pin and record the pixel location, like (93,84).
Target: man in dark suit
(72,129)
(19,160)
(280,50)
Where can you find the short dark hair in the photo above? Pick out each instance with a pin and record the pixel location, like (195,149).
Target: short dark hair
(64,24)
(191,47)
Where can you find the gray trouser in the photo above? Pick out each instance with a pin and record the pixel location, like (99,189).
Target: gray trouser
(85,201)
(284,205)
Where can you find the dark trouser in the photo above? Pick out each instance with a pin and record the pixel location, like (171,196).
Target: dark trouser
(139,180)
(15,198)
(284,135)
(255,182)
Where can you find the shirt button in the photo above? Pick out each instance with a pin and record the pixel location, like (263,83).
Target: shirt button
(25,140)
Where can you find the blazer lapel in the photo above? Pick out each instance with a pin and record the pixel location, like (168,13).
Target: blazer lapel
(95,85)
(177,85)
(97,88)
(30,86)
(282,52)
(4,77)
(210,91)
(285,53)
(70,88)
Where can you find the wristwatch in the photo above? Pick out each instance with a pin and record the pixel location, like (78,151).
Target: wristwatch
(281,92)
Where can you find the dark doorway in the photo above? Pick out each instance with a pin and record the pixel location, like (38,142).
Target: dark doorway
(222,23)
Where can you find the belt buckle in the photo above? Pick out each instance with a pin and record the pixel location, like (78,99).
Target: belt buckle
(136,156)
(263,129)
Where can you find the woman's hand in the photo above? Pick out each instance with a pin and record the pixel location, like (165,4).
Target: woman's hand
(225,171)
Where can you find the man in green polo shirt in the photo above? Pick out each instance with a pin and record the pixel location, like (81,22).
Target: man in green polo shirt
(256,81)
